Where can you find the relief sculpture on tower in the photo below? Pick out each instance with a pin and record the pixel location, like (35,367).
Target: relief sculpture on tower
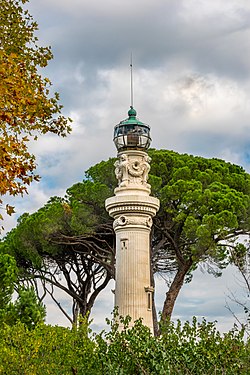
(122,221)
(132,170)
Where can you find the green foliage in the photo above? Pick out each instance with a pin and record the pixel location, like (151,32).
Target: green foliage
(79,213)
(192,348)
(37,237)
(201,349)
(47,350)
(26,308)
(8,276)
(209,198)
(28,243)
(103,173)
(87,201)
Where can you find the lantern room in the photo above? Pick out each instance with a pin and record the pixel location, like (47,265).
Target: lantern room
(132,133)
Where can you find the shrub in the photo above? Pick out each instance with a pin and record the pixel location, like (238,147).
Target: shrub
(189,348)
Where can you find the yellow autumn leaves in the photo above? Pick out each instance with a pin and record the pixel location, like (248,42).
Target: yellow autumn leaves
(27,107)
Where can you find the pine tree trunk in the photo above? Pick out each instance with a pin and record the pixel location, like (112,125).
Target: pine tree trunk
(174,291)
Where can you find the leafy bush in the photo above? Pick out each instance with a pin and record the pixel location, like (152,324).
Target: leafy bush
(26,308)
(191,348)
(46,350)
(196,348)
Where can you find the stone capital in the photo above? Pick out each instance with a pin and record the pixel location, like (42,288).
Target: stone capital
(134,204)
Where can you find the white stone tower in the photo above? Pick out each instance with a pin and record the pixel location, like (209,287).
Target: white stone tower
(132,207)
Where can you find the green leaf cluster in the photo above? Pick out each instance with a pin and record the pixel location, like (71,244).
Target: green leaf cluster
(26,308)
(47,350)
(8,276)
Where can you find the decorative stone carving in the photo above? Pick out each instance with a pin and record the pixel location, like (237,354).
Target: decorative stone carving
(132,170)
(121,170)
(139,220)
(122,220)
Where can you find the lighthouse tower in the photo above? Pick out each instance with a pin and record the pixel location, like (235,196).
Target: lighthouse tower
(133,208)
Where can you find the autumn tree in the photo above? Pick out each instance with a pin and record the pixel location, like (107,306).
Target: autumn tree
(27,107)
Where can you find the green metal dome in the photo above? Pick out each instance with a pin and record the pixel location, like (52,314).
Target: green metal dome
(131,133)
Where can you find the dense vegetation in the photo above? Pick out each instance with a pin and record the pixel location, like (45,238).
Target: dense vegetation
(191,348)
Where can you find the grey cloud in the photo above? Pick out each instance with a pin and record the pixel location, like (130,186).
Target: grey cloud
(105,38)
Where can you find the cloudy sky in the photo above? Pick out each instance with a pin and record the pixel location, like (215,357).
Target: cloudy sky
(191,84)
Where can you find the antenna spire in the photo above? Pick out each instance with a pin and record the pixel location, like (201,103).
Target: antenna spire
(131,82)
